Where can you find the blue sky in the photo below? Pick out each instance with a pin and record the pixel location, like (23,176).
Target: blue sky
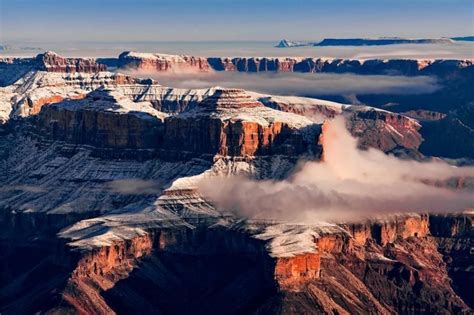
(164,20)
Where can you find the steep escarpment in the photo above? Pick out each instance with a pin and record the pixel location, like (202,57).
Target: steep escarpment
(454,235)
(162,62)
(52,62)
(384,130)
(129,233)
(231,122)
(228,123)
(376,128)
(103,119)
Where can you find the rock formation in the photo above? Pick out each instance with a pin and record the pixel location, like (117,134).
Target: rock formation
(228,123)
(231,123)
(103,119)
(52,62)
(162,62)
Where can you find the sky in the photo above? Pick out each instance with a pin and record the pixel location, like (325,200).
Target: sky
(219,20)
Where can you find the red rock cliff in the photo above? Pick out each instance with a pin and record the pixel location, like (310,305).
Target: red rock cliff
(52,62)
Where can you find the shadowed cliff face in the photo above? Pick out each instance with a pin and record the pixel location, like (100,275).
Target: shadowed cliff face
(394,266)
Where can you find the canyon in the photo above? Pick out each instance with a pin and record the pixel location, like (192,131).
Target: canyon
(101,210)
(409,67)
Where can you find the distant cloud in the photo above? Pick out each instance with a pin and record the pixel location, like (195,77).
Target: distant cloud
(134,186)
(23,188)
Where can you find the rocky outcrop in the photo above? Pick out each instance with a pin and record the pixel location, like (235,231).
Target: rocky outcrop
(291,274)
(52,62)
(103,119)
(33,106)
(232,123)
(389,265)
(12,69)
(228,123)
(138,228)
(362,271)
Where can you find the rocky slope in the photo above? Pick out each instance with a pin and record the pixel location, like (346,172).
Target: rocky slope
(34,89)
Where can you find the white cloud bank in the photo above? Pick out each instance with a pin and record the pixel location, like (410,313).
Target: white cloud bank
(349,184)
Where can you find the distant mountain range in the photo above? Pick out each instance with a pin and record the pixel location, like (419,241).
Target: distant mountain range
(372,41)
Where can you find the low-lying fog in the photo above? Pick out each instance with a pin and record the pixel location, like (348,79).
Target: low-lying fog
(298,84)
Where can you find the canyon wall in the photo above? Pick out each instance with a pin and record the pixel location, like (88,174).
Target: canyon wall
(409,67)
(209,129)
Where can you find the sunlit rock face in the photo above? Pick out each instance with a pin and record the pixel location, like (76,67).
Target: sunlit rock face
(52,62)
(162,62)
(231,122)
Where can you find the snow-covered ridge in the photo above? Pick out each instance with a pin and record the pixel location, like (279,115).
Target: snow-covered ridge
(238,104)
(153,56)
(109,100)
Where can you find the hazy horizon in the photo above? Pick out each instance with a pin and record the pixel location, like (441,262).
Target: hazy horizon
(225,20)
(457,50)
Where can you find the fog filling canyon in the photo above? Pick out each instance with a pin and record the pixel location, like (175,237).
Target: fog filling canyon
(349,184)
(301,84)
